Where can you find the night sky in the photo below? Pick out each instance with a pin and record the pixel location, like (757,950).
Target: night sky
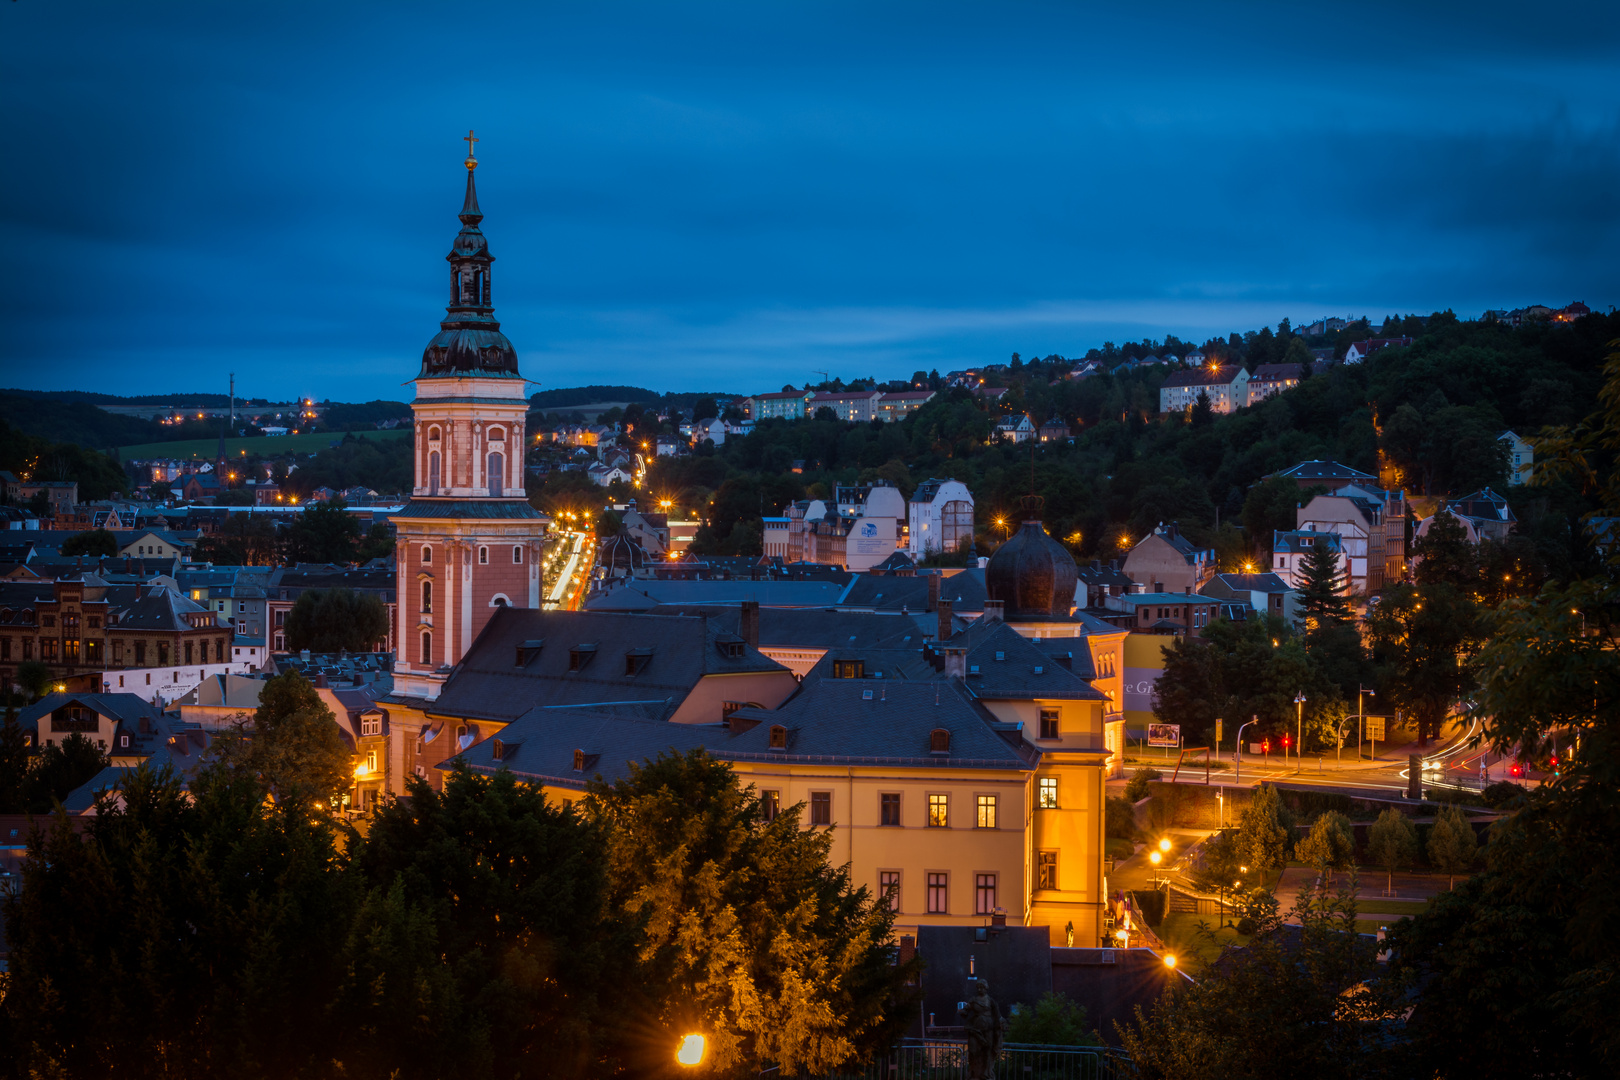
(730,197)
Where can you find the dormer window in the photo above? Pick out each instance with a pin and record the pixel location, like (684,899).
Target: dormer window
(528,650)
(579,761)
(635,660)
(849,669)
(778,737)
(731,647)
(579,656)
(497,749)
(939,741)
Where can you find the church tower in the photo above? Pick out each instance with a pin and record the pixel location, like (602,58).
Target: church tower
(468,541)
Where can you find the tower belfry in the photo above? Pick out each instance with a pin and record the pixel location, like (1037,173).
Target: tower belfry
(468,542)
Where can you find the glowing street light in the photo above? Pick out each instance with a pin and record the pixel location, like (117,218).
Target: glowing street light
(1155,858)
(1164,845)
(691,1050)
(1170,960)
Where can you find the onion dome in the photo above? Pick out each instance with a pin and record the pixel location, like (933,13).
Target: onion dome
(620,556)
(1032,574)
(469,341)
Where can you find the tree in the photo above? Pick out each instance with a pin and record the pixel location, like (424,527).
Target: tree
(1331,843)
(35,679)
(212,927)
(1272,505)
(240,540)
(292,746)
(1052,1021)
(485,944)
(1423,639)
(1443,554)
(1453,847)
(747,933)
(333,620)
(324,533)
(1391,844)
(93,542)
(1286,1004)
(14,759)
(1264,830)
(60,769)
(378,544)
(1202,413)
(1322,589)
(704,408)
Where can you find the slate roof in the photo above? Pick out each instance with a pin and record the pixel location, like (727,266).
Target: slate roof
(809,628)
(885,592)
(1007,663)
(489,509)
(641,595)
(1485,504)
(854,721)
(164,609)
(488,683)
(1267,583)
(1293,541)
(1203,376)
(1324,471)
(540,745)
(122,709)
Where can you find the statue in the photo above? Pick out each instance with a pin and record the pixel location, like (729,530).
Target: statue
(1068,934)
(982,1020)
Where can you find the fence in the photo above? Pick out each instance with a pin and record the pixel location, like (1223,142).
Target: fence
(932,1059)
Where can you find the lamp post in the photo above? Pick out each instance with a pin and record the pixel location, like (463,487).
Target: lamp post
(1237,751)
(1299,736)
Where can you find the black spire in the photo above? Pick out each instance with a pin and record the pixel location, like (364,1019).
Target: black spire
(469,341)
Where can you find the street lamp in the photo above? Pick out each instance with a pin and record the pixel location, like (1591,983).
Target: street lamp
(1361,716)
(1237,751)
(691,1050)
(1299,739)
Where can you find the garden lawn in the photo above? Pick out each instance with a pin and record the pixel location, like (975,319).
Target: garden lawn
(1193,950)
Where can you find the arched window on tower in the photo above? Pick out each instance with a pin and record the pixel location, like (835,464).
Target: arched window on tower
(478,286)
(433,473)
(427,648)
(427,555)
(497,463)
(427,597)
(486,287)
(455,286)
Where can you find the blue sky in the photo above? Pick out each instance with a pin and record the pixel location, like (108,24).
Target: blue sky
(731,196)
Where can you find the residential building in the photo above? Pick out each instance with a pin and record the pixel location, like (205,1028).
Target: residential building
(1018,428)
(939,518)
(1098,580)
(1372,524)
(467,542)
(1360,350)
(1226,386)
(1327,474)
(1268,380)
(786,405)
(1163,612)
(856,406)
(1521,458)
(1054,430)
(1166,561)
(899,404)
(1489,514)
(1290,550)
(776,536)
(128,727)
(1264,594)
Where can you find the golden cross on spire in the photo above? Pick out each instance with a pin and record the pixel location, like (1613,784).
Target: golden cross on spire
(472,156)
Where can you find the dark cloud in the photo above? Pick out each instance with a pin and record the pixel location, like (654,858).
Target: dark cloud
(737,194)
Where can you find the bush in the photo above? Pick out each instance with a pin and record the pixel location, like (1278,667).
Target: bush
(1121,820)
(1052,1021)
(1136,790)
(1151,903)
(1501,793)
(1246,926)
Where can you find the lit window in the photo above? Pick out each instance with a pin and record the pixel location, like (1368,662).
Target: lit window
(1048,793)
(770,804)
(986,812)
(939,811)
(1046,870)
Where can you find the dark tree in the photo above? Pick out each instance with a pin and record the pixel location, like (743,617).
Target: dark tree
(93,542)
(1322,589)
(292,746)
(334,620)
(704,408)
(60,769)
(323,533)
(241,540)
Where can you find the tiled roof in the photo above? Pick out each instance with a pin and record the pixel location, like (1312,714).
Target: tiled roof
(811,628)
(1324,470)
(642,594)
(163,609)
(489,683)
(884,592)
(1204,376)
(1269,583)
(1012,667)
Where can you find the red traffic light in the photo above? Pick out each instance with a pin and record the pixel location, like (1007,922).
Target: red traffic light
(1265,746)
(1516,771)
(1287,741)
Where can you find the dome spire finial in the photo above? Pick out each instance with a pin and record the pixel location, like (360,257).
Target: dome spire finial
(472,155)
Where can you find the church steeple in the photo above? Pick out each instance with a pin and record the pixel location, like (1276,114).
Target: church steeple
(470,341)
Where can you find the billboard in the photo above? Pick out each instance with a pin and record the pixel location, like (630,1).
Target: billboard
(1164,735)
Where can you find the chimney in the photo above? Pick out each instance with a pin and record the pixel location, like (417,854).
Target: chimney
(998,917)
(943,631)
(993,610)
(934,582)
(748,623)
(955,662)
(320,680)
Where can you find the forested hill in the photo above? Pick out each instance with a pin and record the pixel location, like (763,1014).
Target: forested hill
(1434,409)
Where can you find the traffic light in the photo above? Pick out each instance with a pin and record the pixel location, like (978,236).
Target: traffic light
(1516,770)
(1287,742)
(1265,746)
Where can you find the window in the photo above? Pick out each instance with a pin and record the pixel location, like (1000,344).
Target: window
(427,648)
(889,888)
(483,556)
(427,555)
(371,761)
(123,742)
(433,472)
(1046,870)
(770,804)
(188,652)
(281,644)
(140,653)
(427,597)
(47,620)
(821,808)
(517,554)
(939,741)
(936,893)
(986,812)
(849,669)
(939,811)
(93,621)
(984,894)
(1049,723)
(889,808)
(371,725)
(497,463)
(1048,798)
